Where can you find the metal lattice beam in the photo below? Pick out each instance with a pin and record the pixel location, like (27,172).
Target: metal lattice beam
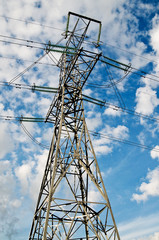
(65,209)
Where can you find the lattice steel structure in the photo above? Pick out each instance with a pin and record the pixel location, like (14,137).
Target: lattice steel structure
(65,208)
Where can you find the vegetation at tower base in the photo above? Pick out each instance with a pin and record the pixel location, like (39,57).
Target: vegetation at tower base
(73,203)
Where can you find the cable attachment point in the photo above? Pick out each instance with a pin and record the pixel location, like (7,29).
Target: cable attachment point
(21,119)
(33,88)
(127,68)
(48,47)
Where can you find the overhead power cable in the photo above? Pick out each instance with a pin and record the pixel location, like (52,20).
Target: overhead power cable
(86,98)
(118,95)
(31,22)
(96,134)
(101,43)
(109,85)
(33,88)
(21,119)
(20,60)
(32,138)
(124,50)
(126,67)
(50,47)
(22,39)
(118,108)
(85,41)
(104,59)
(41,46)
(27,69)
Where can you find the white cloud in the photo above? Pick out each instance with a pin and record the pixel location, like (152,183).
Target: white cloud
(146,99)
(104,144)
(47,134)
(43,105)
(95,121)
(6,141)
(141,138)
(155,154)
(101,149)
(140,228)
(112,112)
(9,203)
(23,173)
(155,236)
(87,92)
(30,174)
(150,188)
(119,132)
(37,175)
(154,33)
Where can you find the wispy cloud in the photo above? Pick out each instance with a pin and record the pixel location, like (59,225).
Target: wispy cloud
(140,228)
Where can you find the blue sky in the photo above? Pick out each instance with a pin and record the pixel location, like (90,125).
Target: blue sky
(130,33)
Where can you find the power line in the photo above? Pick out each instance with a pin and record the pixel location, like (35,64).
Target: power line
(27,69)
(33,87)
(109,85)
(32,138)
(34,63)
(118,95)
(95,134)
(100,102)
(118,108)
(45,46)
(124,50)
(129,68)
(21,119)
(86,41)
(31,22)
(22,39)
(29,61)
(107,60)
(22,45)
(85,98)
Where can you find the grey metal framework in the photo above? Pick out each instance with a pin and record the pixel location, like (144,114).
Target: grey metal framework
(73,202)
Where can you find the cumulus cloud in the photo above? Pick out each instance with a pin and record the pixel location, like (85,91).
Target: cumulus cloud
(23,173)
(94,196)
(120,131)
(30,174)
(154,33)
(93,120)
(112,112)
(101,148)
(146,99)
(155,154)
(9,204)
(103,143)
(6,141)
(149,188)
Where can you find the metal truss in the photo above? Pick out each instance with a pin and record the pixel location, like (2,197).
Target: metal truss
(73,202)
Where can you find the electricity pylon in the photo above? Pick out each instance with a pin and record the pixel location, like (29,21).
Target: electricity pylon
(73,202)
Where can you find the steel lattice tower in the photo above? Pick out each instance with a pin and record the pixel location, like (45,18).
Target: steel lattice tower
(64,208)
